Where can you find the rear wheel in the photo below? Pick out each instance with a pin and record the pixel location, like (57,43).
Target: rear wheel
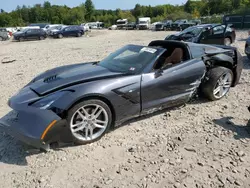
(89,121)
(218,83)
(79,34)
(227,41)
(21,39)
(60,36)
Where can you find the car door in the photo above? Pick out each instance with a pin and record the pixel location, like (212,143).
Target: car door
(214,36)
(67,31)
(171,86)
(73,31)
(30,34)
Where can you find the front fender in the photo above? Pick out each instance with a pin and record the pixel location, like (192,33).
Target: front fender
(222,58)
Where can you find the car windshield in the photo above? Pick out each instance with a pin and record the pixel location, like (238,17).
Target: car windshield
(143,22)
(131,59)
(24,30)
(195,31)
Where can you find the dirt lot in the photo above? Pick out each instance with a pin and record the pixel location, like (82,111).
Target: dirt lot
(204,144)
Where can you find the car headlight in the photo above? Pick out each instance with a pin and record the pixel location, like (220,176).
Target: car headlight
(46,102)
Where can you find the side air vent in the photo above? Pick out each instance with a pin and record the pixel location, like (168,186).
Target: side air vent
(50,79)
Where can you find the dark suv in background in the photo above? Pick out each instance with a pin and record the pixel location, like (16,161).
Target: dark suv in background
(30,34)
(163,26)
(76,31)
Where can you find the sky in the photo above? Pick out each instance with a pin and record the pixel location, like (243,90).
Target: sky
(9,5)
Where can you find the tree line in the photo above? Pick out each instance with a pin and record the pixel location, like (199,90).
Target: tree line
(86,12)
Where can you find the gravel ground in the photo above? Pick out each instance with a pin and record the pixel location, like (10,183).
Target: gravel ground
(203,144)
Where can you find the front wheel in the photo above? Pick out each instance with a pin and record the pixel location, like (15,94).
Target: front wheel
(227,41)
(60,36)
(217,84)
(21,39)
(41,38)
(89,120)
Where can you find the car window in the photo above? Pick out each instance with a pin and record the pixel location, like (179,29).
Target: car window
(67,29)
(131,59)
(197,51)
(29,31)
(218,30)
(125,54)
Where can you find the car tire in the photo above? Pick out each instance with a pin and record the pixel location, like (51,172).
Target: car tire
(79,34)
(79,132)
(41,38)
(1,38)
(21,39)
(227,41)
(217,83)
(60,36)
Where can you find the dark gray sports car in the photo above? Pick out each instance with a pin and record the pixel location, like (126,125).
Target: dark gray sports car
(79,103)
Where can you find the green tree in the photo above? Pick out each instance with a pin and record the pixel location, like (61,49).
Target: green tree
(89,6)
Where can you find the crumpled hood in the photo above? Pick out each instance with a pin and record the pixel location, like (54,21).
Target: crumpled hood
(65,76)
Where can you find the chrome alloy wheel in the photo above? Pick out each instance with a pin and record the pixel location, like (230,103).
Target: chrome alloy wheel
(89,122)
(223,85)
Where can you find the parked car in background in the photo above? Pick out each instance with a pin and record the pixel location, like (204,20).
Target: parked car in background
(55,29)
(131,26)
(76,31)
(176,26)
(4,35)
(152,26)
(48,27)
(163,26)
(30,34)
(85,27)
(189,24)
(206,34)
(247,48)
(122,23)
(95,25)
(144,23)
(113,27)
(4,32)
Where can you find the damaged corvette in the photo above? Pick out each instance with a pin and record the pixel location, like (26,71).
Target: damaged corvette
(79,103)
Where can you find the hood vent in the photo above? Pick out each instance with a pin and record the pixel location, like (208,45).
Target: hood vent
(50,79)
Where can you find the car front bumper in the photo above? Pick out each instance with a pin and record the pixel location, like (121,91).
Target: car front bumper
(33,126)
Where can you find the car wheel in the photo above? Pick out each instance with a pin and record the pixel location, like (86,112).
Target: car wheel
(1,38)
(60,36)
(165,29)
(41,38)
(78,34)
(227,41)
(89,121)
(218,83)
(21,39)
